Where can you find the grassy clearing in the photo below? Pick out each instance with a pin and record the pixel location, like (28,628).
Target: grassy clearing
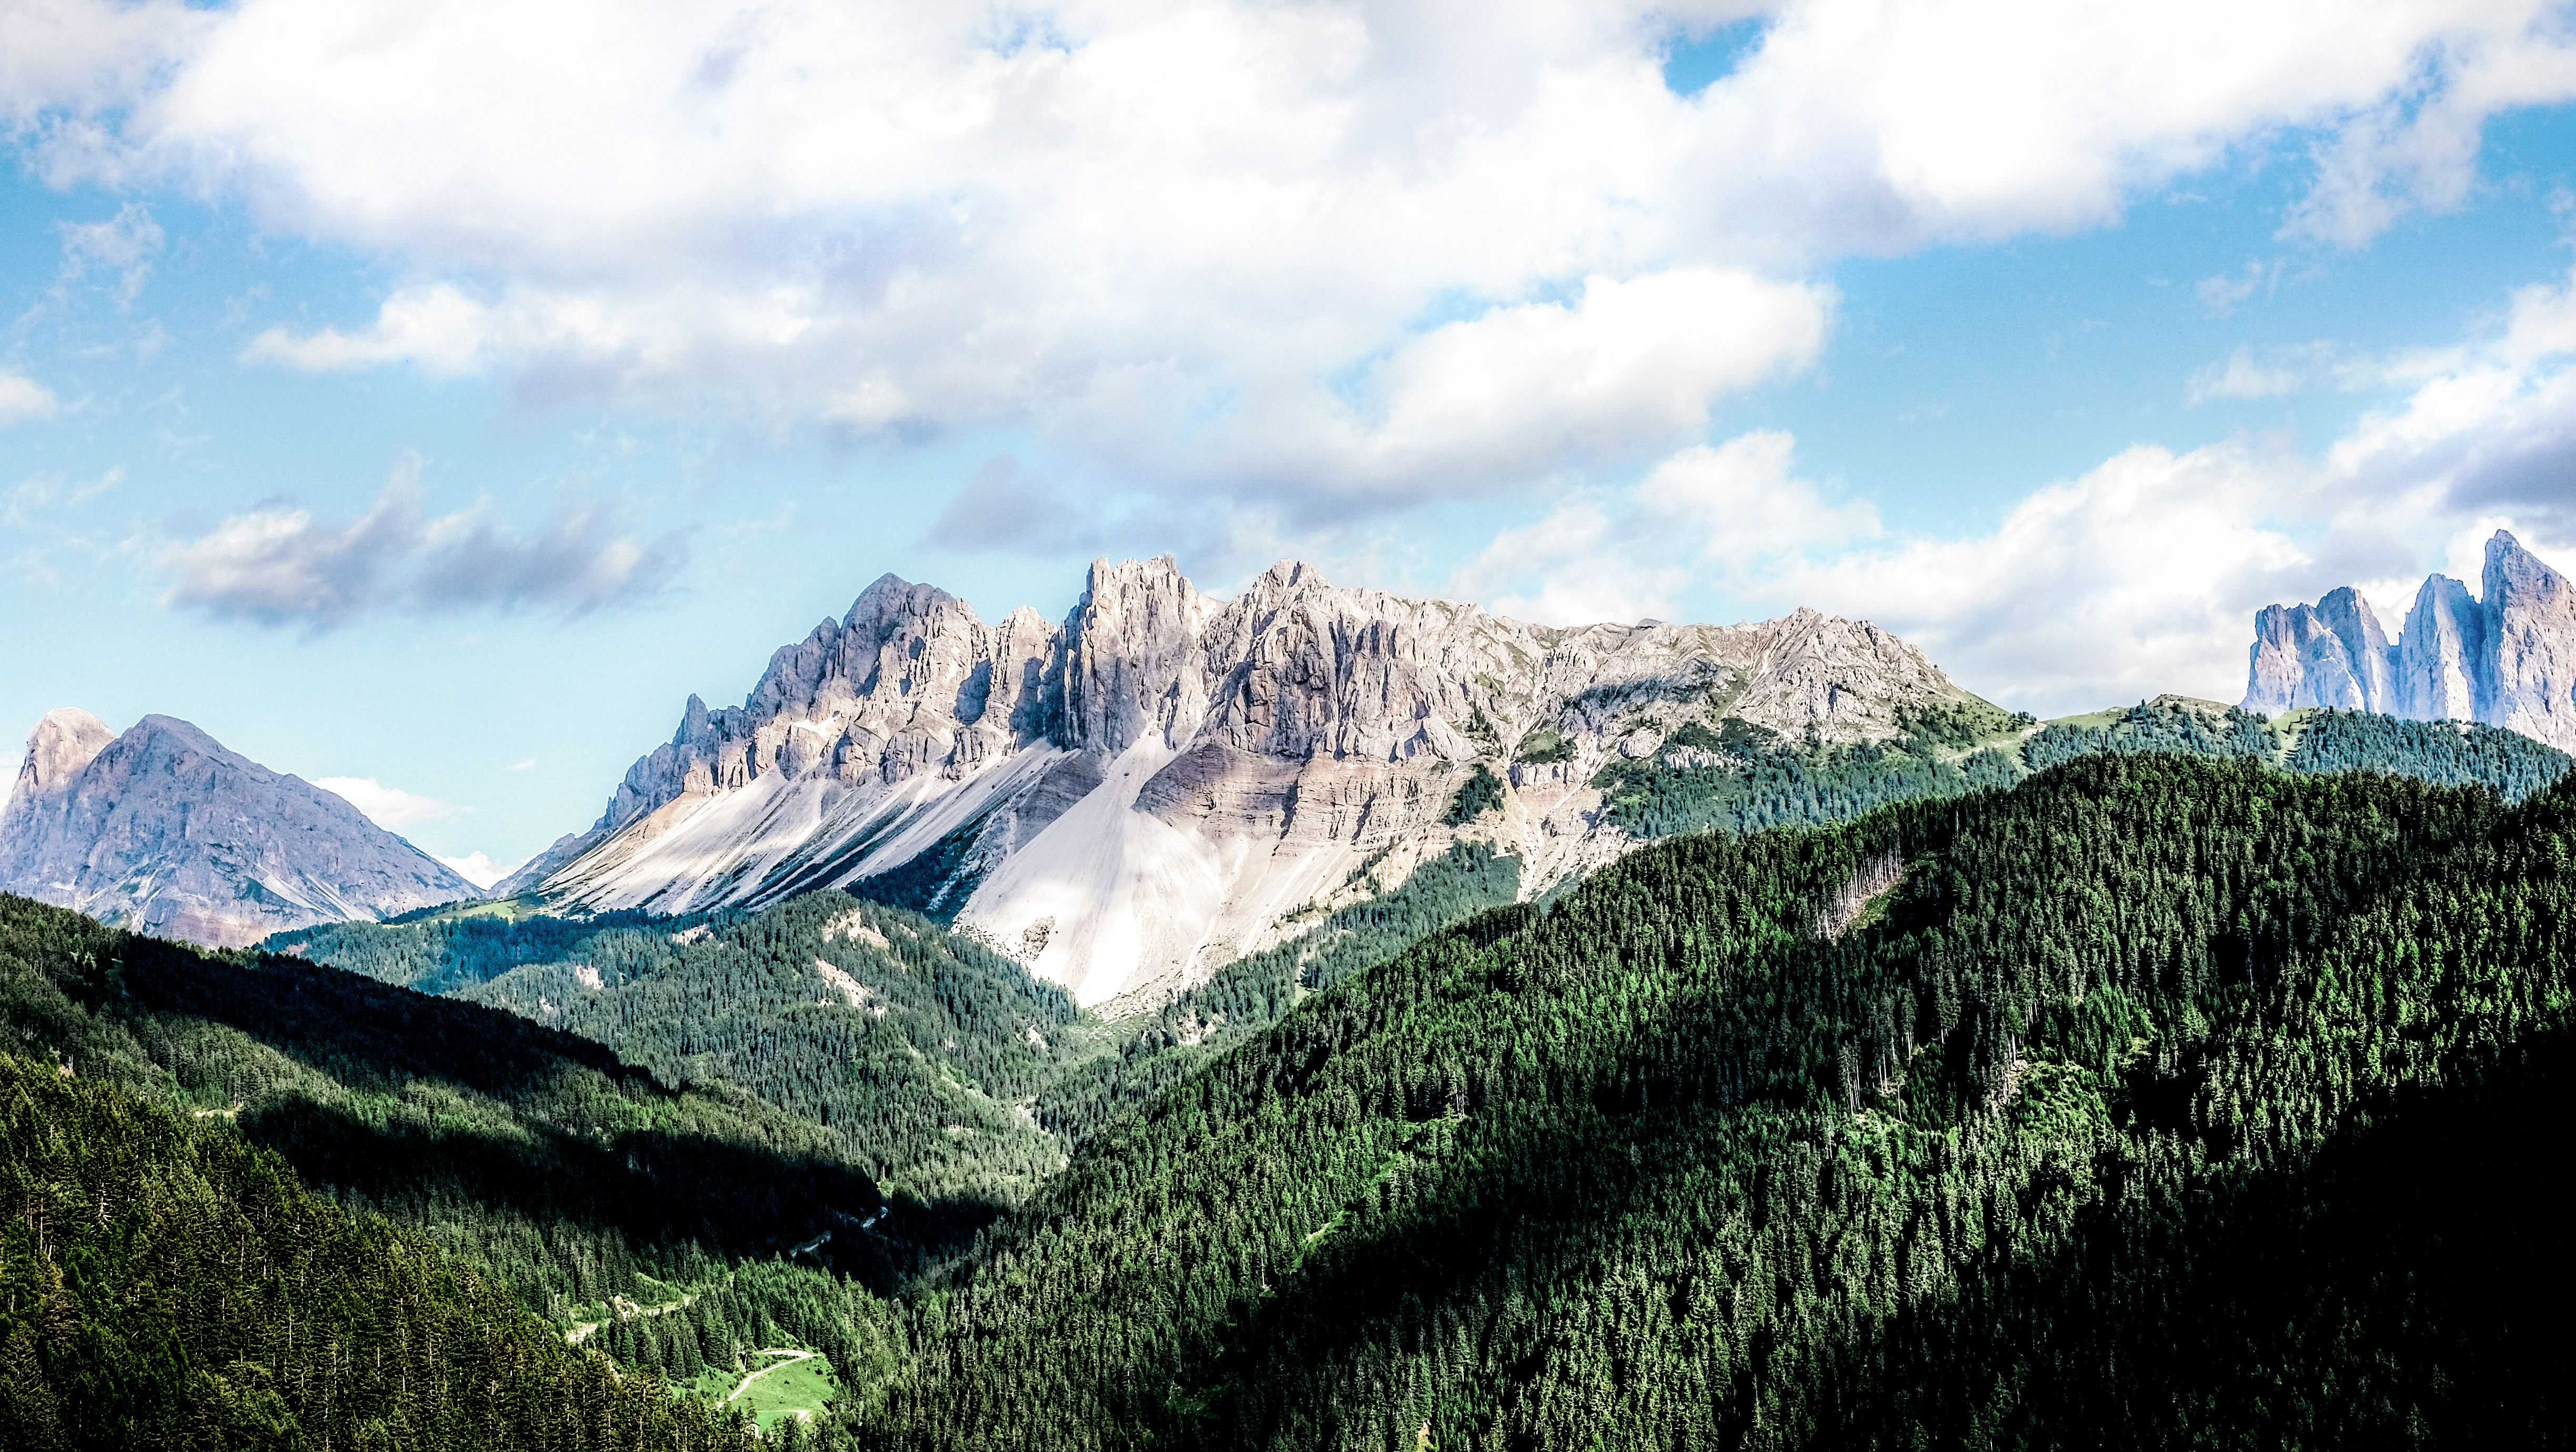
(802,1386)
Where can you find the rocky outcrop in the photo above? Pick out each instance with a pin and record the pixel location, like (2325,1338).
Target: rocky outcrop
(1157,783)
(2507,658)
(2439,653)
(163,831)
(2529,659)
(2332,653)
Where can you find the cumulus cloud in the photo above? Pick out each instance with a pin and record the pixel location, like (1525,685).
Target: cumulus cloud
(391,808)
(2141,575)
(1626,366)
(1207,245)
(278,564)
(23,398)
(479,869)
(1738,508)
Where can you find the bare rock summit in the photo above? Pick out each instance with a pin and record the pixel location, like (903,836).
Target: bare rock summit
(2505,657)
(1164,779)
(163,831)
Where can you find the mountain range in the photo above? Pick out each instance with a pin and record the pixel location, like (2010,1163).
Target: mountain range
(2246,1026)
(1131,798)
(2506,656)
(1165,782)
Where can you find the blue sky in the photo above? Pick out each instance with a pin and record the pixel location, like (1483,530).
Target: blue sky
(434,397)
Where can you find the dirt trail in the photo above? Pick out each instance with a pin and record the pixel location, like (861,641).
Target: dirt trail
(793,1356)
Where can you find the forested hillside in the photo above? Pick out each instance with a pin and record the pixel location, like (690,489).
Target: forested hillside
(961,1081)
(538,1156)
(1746,784)
(920,1048)
(164,1284)
(1806,1137)
(2156,1101)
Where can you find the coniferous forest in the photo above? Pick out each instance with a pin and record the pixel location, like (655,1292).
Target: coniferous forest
(2173,1092)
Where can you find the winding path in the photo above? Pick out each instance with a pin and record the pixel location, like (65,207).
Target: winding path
(793,1356)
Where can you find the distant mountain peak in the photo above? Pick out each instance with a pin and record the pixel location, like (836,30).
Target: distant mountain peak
(163,830)
(2506,657)
(64,742)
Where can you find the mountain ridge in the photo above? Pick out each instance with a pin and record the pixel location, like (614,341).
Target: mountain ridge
(1131,798)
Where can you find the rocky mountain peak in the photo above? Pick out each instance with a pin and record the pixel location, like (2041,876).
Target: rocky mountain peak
(1131,642)
(164,831)
(2508,659)
(1128,796)
(2530,675)
(64,742)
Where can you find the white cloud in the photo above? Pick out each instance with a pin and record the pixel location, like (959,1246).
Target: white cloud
(391,808)
(528,765)
(2241,377)
(22,503)
(1737,508)
(2416,146)
(437,328)
(2142,575)
(1261,251)
(23,398)
(2138,578)
(2221,295)
(124,244)
(479,869)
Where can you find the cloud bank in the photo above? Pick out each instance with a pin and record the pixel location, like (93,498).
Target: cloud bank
(1344,256)
(2140,576)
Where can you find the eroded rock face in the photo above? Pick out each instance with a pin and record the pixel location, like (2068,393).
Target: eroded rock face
(1132,796)
(163,831)
(2508,659)
(2332,653)
(2530,679)
(2439,654)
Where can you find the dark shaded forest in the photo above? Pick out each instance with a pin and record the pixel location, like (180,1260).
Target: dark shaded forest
(562,1174)
(2078,1135)
(165,1284)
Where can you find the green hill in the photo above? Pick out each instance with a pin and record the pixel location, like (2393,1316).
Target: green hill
(564,1174)
(2155,1101)
(918,1047)
(164,1284)
(1757,784)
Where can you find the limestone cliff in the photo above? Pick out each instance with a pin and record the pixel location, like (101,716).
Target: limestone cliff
(1156,784)
(2506,658)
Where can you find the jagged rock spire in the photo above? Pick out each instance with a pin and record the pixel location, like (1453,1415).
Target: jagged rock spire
(2507,659)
